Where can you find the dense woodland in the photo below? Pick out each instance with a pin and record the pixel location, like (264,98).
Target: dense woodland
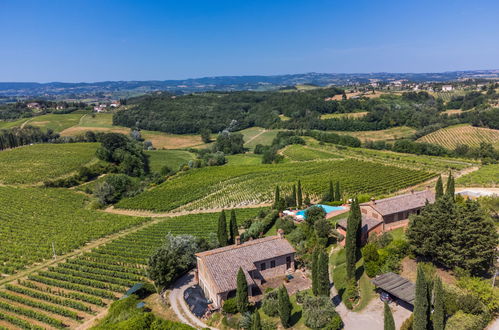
(238,110)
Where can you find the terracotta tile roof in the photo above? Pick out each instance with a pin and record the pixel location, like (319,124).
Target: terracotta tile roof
(224,263)
(368,223)
(402,203)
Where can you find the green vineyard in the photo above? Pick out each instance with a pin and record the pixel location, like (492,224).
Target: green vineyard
(233,186)
(39,162)
(34,218)
(71,292)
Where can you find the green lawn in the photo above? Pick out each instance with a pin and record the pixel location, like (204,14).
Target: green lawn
(366,288)
(171,158)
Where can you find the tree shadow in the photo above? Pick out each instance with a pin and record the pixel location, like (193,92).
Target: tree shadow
(295,317)
(358,272)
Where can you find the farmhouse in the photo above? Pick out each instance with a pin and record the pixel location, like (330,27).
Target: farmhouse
(260,259)
(383,215)
(447,88)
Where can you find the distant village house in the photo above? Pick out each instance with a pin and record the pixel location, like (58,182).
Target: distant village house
(260,259)
(447,88)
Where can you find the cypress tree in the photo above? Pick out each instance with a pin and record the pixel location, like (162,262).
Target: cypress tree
(351,241)
(337,192)
(242,292)
(299,195)
(331,191)
(256,323)
(315,259)
(293,196)
(277,198)
(388,319)
(421,303)
(438,306)
(450,186)
(439,188)
(234,231)
(284,306)
(322,274)
(222,230)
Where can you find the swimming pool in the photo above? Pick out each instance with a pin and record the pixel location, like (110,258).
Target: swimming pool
(326,208)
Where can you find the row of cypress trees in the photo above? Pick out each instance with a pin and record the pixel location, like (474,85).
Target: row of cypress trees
(295,199)
(225,238)
(427,289)
(320,272)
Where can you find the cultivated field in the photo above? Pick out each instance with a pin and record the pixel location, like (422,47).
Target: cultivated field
(486,176)
(450,137)
(171,158)
(239,185)
(34,218)
(73,292)
(39,162)
(257,135)
(302,153)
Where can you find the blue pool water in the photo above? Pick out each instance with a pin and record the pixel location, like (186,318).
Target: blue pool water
(326,208)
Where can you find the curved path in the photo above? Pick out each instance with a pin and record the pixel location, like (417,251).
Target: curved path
(178,304)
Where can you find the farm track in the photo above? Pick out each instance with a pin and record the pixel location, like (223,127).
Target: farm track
(256,136)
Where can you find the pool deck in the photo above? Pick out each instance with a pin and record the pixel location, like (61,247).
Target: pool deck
(335,213)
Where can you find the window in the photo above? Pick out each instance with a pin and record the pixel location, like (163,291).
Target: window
(262,266)
(272,263)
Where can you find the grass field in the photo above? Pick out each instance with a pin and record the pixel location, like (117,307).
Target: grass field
(73,291)
(450,137)
(257,135)
(171,158)
(14,123)
(352,115)
(56,122)
(39,162)
(34,218)
(486,176)
(237,185)
(103,122)
(393,133)
(301,153)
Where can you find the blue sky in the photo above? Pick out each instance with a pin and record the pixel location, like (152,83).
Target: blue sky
(73,40)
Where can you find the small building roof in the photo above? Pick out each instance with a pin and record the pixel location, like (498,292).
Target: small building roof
(368,223)
(402,203)
(397,286)
(224,263)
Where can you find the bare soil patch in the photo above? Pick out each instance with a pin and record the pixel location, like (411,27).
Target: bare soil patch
(409,271)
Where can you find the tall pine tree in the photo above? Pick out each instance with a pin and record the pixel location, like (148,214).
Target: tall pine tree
(439,188)
(352,238)
(284,306)
(438,318)
(299,195)
(256,323)
(389,322)
(242,292)
(337,192)
(322,274)
(421,302)
(233,229)
(223,238)
(450,186)
(315,260)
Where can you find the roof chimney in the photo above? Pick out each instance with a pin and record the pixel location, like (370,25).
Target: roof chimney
(238,240)
(373,201)
(280,233)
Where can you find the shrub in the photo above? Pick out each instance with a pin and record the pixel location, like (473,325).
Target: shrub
(372,268)
(352,291)
(270,304)
(336,323)
(463,321)
(370,253)
(230,306)
(319,312)
(285,224)
(483,291)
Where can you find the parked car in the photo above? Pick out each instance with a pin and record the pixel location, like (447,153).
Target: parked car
(385,297)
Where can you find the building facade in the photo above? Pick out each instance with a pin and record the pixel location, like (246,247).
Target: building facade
(260,260)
